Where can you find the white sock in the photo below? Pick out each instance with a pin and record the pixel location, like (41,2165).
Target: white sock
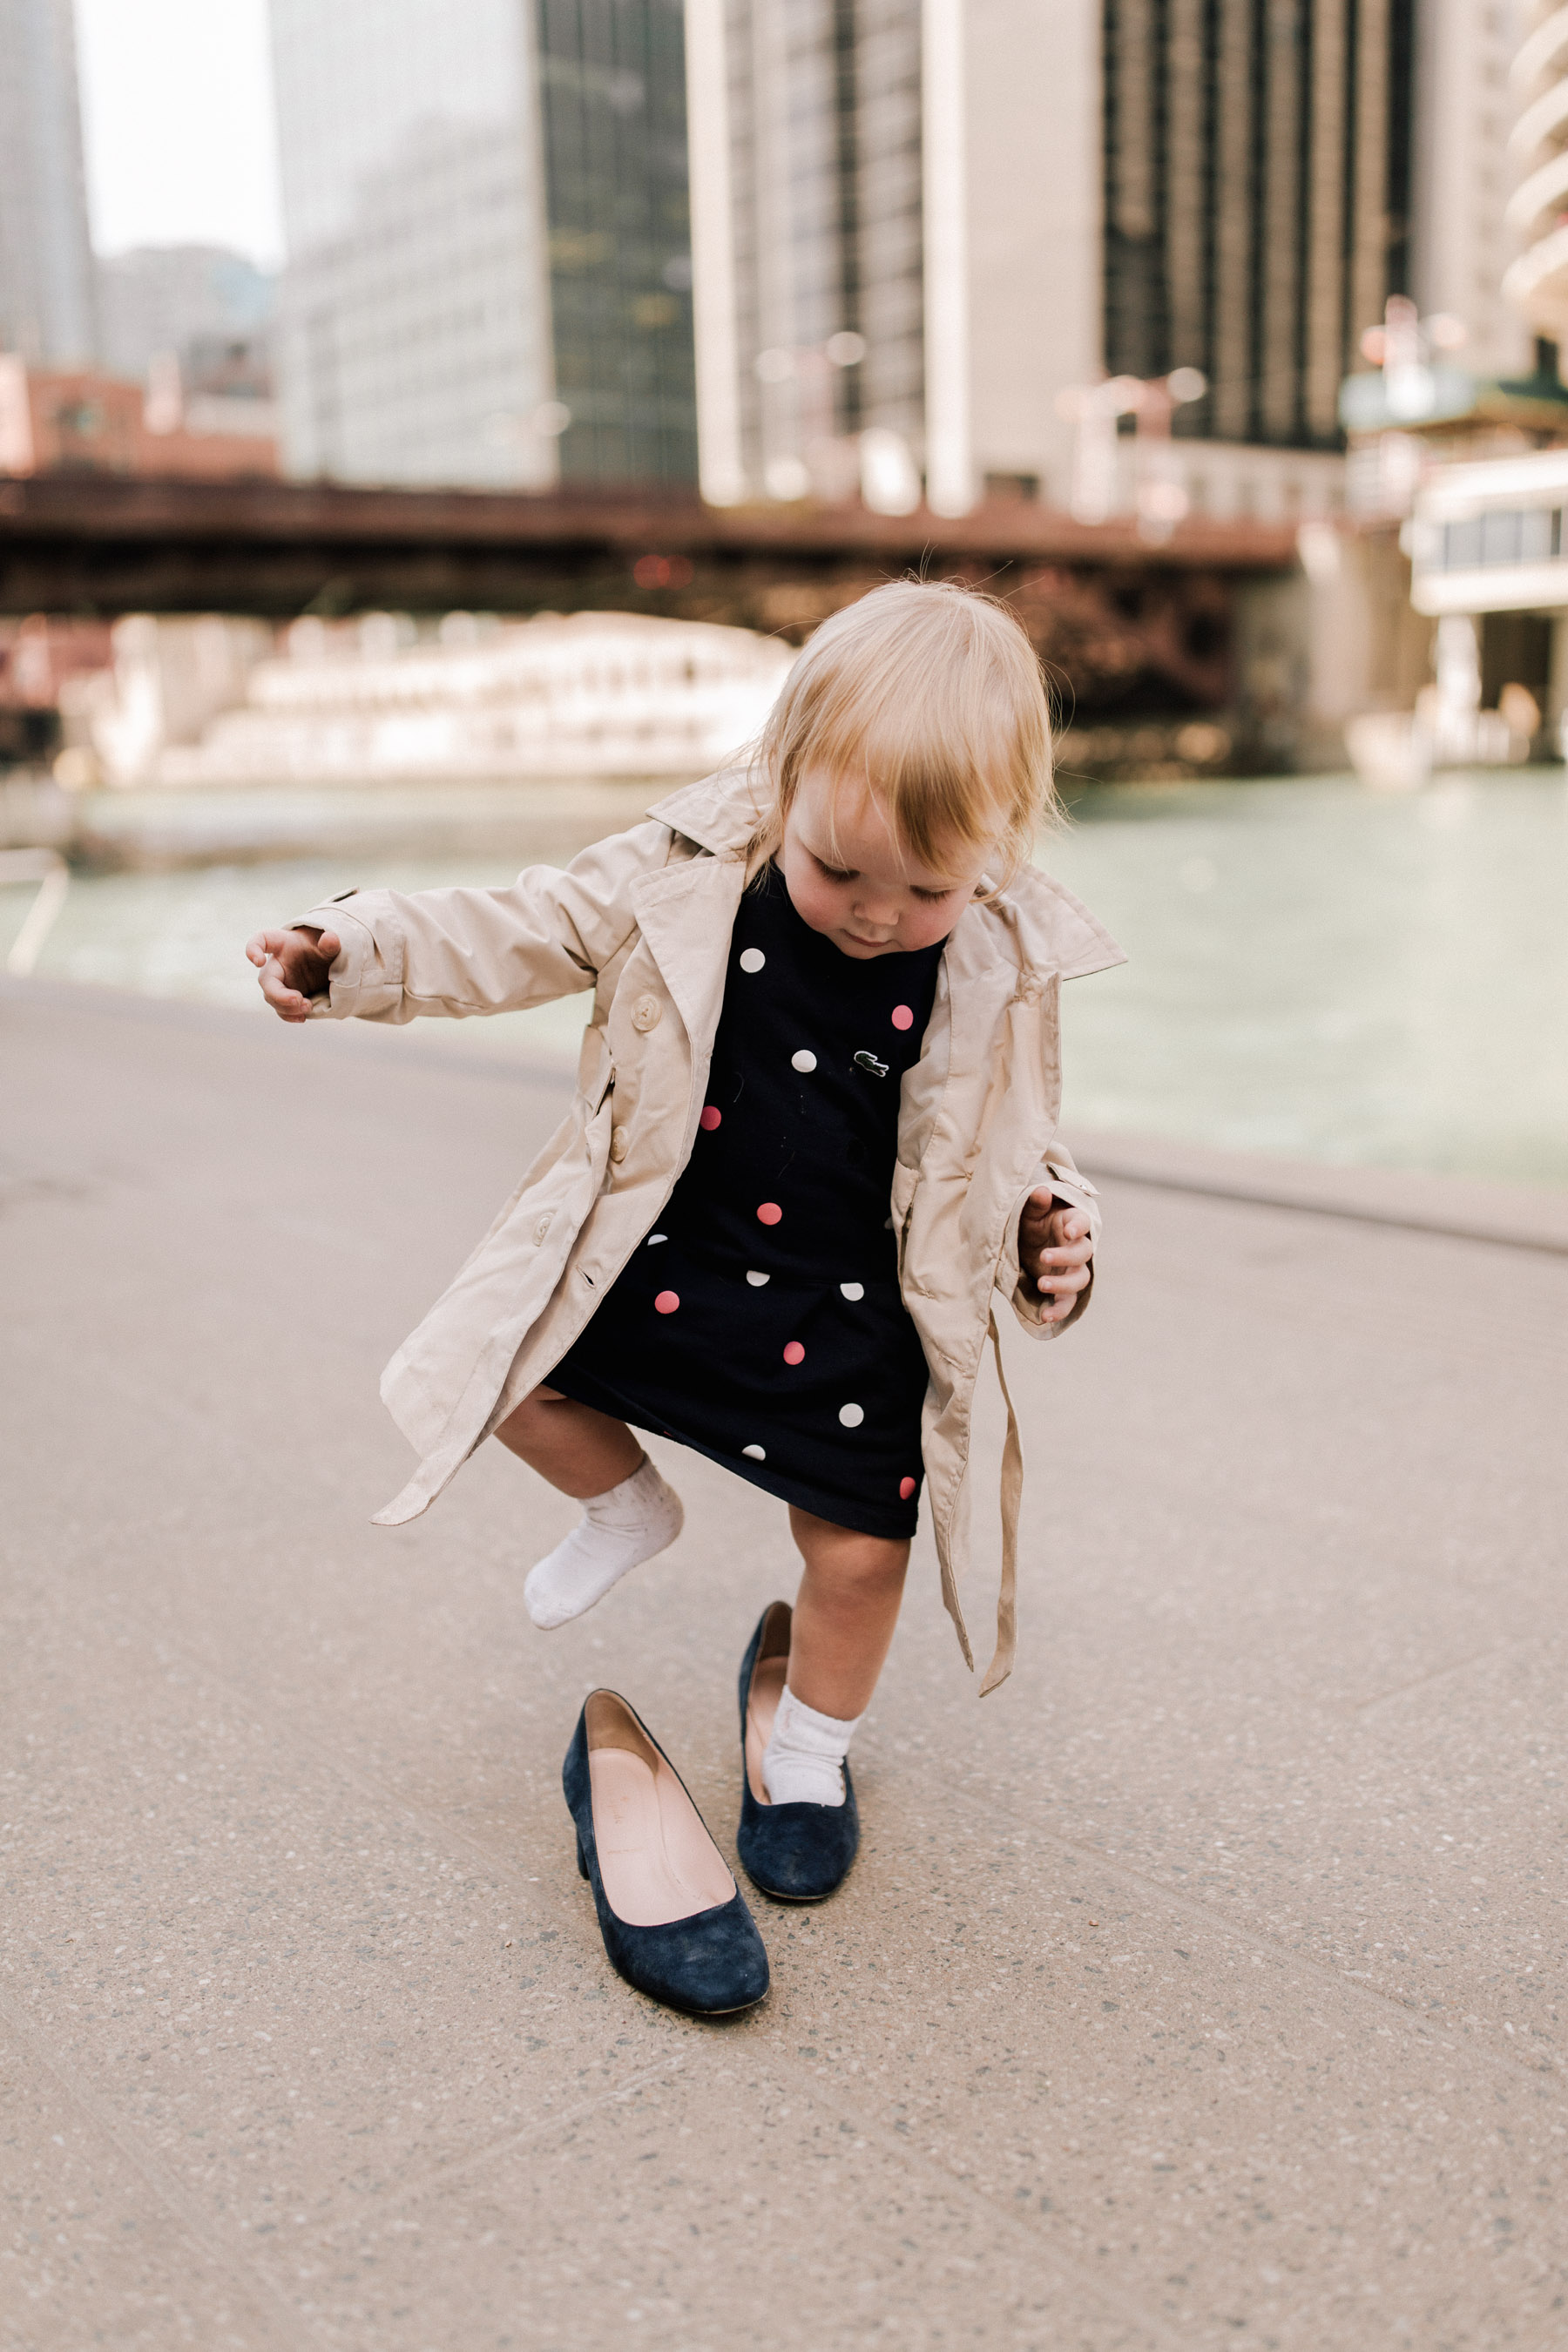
(803,1763)
(619,1530)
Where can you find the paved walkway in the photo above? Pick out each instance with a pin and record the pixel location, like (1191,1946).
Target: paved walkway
(1201,1987)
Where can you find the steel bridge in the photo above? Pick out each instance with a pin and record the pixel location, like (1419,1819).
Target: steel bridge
(1124,622)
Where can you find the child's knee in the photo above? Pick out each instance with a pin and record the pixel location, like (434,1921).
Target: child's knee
(529,1415)
(846,1561)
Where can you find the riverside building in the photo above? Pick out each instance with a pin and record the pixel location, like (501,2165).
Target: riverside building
(612,80)
(413,336)
(1537,282)
(894,211)
(1258,181)
(46,308)
(938,220)
(1465,241)
(489,273)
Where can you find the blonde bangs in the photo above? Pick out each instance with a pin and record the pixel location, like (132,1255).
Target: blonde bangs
(931,697)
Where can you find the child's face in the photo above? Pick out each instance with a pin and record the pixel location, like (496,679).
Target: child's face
(849,880)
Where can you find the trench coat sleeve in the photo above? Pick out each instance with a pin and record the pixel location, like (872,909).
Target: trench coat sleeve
(460,951)
(1058,1171)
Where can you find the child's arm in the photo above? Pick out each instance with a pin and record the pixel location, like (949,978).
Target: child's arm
(389,955)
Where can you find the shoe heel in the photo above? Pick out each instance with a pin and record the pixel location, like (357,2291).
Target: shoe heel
(582,1857)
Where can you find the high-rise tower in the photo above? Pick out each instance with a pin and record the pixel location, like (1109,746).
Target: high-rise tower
(1257,183)
(46,310)
(895,223)
(488,256)
(806,183)
(1463,242)
(1538,279)
(413,340)
(612,79)
(1003,200)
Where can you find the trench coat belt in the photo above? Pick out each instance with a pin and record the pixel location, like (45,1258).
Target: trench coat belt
(1001,1665)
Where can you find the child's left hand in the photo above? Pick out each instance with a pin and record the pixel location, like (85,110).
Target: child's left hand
(1055,1250)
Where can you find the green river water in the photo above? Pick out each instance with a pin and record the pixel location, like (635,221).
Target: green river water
(1314,970)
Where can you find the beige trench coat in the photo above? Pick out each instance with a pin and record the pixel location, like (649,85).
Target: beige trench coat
(645,920)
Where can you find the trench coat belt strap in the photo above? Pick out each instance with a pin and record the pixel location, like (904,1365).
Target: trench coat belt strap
(1001,1665)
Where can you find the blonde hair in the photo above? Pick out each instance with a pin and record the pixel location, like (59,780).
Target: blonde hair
(932,695)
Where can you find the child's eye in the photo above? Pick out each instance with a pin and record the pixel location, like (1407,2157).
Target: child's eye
(935,897)
(834,873)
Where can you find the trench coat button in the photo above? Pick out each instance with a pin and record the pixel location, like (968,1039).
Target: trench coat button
(540,1229)
(647,1014)
(620,1142)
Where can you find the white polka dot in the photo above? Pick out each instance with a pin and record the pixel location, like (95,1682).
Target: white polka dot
(754,1453)
(757,1280)
(803,1062)
(853,1289)
(752,959)
(851,1415)
(657,1237)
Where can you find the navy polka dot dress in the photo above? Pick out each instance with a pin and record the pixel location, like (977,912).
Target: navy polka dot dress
(761,1322)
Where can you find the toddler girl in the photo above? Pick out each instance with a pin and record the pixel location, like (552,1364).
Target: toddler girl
(813,1140)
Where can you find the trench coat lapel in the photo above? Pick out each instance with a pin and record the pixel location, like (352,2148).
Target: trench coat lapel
(980,979)
(686,914)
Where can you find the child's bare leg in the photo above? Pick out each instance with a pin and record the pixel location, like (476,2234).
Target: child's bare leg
(844,1617)
(579,1451)
(631,1513)
(844,1614)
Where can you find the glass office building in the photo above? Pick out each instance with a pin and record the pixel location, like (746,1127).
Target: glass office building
(47,296)
(488,256)
(1257,193)
(411,342)
(612,77)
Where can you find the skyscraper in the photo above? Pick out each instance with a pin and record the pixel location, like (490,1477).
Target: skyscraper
(47,312)
(1538,279)
(1008,199)
(1464,243)
(489,256)
(612,80)
(1257,186)
(413,337)
(806,171)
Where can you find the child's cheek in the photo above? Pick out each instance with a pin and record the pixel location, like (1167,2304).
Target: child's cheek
(813,900)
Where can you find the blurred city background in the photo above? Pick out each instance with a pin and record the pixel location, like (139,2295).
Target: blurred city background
(425,426)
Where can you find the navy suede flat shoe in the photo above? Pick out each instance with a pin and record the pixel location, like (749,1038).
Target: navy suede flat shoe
(674,1922)
(796,1854)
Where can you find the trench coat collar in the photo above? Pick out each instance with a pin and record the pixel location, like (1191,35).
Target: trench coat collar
(719,814)
(1051,931)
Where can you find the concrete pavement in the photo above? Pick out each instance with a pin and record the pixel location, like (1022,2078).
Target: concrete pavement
(1201,1987)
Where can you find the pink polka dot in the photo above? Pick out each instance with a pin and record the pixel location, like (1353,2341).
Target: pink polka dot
(666,1302)
(769,1214)
(902,1017)
(906,1488)
(710,1118)
(795,1353)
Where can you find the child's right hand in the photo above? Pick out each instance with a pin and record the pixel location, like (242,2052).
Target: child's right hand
(291,967)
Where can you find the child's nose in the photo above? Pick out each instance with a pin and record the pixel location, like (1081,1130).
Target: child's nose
(876,907)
